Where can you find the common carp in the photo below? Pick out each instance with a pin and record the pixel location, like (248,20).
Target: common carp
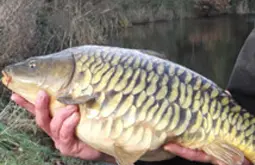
(132,103)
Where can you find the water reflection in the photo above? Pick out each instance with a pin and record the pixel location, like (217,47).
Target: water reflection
(208,46)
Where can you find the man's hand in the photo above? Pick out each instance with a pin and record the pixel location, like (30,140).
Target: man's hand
(61,128)
(194,155)
(188,154)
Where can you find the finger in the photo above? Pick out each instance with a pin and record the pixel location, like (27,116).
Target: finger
(23,103)
(186,153)
(215,161)
(66,141)
(228,92)
(42,112)
(86,152)
(246,162)
(107,158)
(67,131)
(59,119)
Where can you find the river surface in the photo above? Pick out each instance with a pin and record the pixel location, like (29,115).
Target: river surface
(208,46)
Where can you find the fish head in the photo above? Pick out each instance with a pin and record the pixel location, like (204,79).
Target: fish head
(29,72)
(51,73)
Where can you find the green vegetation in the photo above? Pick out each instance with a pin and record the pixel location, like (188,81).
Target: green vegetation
(21,142)
(32,27)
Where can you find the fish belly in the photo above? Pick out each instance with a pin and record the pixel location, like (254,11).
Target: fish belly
(103,134)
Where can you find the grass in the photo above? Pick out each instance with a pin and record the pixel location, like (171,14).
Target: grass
(18,148)
(22,147)
(32,27)
(22,142)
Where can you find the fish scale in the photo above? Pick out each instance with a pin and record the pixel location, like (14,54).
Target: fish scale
(132,103)
(181,75)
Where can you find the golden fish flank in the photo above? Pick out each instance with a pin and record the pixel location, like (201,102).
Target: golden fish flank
(132,103)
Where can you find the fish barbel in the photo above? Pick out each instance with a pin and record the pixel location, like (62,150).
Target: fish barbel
(132,103)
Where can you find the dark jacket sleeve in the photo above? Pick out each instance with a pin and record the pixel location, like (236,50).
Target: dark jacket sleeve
(174,161)
(242,80)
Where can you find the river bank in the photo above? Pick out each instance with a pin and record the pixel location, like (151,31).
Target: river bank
(31,27)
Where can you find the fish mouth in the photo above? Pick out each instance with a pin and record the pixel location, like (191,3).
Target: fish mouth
(6,79)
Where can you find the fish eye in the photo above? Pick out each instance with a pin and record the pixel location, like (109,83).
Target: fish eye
(32,64)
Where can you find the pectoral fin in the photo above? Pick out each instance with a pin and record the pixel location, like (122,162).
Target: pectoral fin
(124,157)
(68,97)
(225,153)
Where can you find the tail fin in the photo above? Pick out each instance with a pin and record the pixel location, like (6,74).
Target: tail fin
(242,80)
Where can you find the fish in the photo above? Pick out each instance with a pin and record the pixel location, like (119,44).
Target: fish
(132,103)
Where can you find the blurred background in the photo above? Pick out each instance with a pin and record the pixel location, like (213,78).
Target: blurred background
(204,35)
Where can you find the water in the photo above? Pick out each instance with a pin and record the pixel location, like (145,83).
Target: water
(208,46)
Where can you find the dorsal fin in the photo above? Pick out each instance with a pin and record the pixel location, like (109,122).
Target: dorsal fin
(153,53)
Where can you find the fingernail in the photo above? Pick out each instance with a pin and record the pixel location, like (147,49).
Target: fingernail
(40,95)
(167,148)
(71,107)
(208,158)
(39,98)
(12,97)
(74,116)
